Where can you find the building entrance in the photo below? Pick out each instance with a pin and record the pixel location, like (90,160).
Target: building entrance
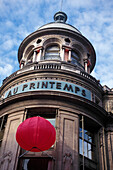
(37,164)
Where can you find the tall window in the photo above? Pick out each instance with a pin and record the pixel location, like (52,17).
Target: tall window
(36,162)
(89,146)
(29,54)
(74,57)
(86,141)
(3,121)
(47,113)
(52,53)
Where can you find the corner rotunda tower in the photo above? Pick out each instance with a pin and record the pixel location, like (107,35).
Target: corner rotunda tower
(54,82)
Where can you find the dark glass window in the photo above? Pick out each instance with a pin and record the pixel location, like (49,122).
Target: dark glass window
(57,18)
(89,145)
(51,117)
(86,141)
(74,57)
(62,18)
(29,49)
(36,164)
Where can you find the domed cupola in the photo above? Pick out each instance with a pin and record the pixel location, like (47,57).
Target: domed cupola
(58,42)
(60,17)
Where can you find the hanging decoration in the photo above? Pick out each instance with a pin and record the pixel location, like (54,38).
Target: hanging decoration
(36,134)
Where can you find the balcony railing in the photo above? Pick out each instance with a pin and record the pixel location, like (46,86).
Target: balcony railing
(55,65)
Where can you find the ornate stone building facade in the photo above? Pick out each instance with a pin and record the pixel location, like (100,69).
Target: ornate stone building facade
(54,82)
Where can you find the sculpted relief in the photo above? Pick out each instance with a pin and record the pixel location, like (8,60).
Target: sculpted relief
(5,160)
(67,160)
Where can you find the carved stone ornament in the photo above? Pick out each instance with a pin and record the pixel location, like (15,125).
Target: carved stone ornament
(5,160)
(67,160)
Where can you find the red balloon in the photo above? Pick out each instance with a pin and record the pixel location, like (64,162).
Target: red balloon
(36,134)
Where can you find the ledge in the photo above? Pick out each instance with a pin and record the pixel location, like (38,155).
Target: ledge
(52,65)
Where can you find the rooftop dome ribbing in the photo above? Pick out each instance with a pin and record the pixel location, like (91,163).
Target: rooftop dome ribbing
(60,19)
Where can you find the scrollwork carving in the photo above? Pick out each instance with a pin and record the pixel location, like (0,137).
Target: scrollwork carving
(5,160)
(68,161)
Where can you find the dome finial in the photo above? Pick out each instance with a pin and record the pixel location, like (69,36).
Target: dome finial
(60,17)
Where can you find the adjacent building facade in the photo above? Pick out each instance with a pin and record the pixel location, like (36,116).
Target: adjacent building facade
(54,82)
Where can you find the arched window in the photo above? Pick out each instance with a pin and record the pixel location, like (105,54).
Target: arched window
(29,49)
(52,53)
(74,57)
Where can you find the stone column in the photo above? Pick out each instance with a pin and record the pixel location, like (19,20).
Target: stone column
(67,145)
(62,56)
(39,55)
(69,58)
(22,64)
(10,148)
(85,65)
(34,56)
(102,152)
(109,139)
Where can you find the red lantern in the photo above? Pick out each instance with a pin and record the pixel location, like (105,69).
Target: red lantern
(36,134)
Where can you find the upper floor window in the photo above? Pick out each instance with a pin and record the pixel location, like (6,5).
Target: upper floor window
(31,160)
(29,49)
(87,145)
(52,53)
(74,57)
(3,121)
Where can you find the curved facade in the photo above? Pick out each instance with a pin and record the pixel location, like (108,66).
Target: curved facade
(54,82)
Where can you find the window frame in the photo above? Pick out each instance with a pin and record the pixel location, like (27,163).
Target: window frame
(40,111)
(46,113)
(51,52)
(89,154)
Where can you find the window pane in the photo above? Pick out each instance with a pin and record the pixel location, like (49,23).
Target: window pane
(88,144)
(74,55)
(90,139)
(52,52)
(73,61)
(89,151)
(25,162)
(74,58)
(52,121)
(85,134)
(52,48)
(80,147)
(80,132)
(85,149)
